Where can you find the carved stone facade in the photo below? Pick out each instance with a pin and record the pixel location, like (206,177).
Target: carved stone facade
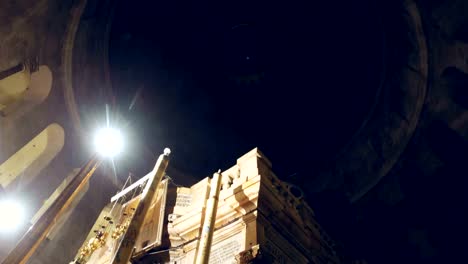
(259,220)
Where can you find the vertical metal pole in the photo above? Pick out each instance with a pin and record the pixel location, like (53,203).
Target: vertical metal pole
(125,248)
(36,233)
(206,237)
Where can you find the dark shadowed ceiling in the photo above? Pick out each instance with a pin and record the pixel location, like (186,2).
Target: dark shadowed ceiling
(213,79)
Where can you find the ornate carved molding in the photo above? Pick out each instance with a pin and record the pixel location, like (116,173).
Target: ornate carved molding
(252,255)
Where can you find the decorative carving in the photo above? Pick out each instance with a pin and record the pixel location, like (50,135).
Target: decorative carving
(252,255)
(183,200)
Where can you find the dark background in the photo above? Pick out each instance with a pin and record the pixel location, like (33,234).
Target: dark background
(213,80)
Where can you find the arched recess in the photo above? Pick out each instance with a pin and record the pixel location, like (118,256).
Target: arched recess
(38,88)
(13,84)
(32,158)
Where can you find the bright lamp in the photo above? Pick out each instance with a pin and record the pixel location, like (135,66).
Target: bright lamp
(108,142)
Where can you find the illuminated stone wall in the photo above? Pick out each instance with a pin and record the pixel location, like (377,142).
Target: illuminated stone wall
(258,219)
